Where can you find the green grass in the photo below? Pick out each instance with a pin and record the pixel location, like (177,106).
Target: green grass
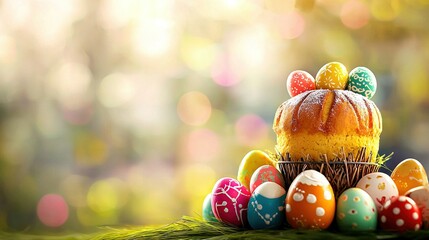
(195,228)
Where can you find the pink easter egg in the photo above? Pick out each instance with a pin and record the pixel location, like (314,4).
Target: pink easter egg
(266,173)
(229,202)
(299,81)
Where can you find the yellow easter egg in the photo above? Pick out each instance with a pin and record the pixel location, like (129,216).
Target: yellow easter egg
(252,161)
(332,76)
(409,174)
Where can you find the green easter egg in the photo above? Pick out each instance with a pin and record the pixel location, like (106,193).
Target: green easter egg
(362,81)
(356,211)
(207,209)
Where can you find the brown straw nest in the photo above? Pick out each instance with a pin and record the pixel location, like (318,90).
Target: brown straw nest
(343,172)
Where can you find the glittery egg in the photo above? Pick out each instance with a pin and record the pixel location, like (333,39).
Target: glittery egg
(420,195)
(379,186)
(400,214)
(229,202)
(409,174)
(266,206)
(332,76)
(250,162)
(363,82)
(310,201)
(266,173)
(356,211)
(299,81)
(207,209)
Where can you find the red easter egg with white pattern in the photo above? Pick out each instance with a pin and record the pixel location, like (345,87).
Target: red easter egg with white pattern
(266,173)
(400,214)
(299,81)
(229,202)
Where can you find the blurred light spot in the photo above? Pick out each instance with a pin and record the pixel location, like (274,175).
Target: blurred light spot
(17,146)
(279,6)
(107,195)
(75,188)
(7,50)
(385,10)
(154,38)
(251,129)
(15,12)
(195,182)
(202,145)
(223,74)
(69,83)
(339,45)
(250,50)
(292,25)
(52,210)
(116,90)
(78,116)
(198,53)
(116,13)
(89,150)
(354,14)
(48,121)
(194,108)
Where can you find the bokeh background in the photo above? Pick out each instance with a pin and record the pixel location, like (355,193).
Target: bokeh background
(122,112)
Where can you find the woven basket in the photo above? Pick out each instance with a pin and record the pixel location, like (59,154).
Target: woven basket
(343,172)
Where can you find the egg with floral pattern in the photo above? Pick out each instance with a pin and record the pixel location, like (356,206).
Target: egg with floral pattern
(266,206)
(332,76)
(310,201)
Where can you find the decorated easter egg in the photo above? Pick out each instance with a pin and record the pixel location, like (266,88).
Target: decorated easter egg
(299,81)
(379,186)
(251,161)
(356,211)
(310,201)
(400,214)
(409,174)
(420,195)
(229,202)
(266,206)
(332,75)
(207,209)
(362,81)
(266,173)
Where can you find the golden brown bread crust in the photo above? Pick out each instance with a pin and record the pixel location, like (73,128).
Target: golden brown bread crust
(319,121)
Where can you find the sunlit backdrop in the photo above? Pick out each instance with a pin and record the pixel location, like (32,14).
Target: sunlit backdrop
(122,112)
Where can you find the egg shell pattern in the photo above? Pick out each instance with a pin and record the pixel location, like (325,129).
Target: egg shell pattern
(229,202)
(310,201)
(332,76)
(250,162)
(356,211)
(266,173)
(362,81)
(266,206)
(207,209)
(400,214)
(379,186)
(420,195)
(409,174)
(299,81)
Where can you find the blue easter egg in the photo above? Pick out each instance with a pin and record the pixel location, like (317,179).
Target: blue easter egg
(207,209)
(266,208)
(362,81)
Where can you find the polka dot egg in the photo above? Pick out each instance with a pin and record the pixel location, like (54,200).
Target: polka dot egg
(310,201)
(362,81)
(400,214)
(356,211)
(332,76)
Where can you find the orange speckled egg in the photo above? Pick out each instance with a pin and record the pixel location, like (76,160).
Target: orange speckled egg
(409,174)
(310,201)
